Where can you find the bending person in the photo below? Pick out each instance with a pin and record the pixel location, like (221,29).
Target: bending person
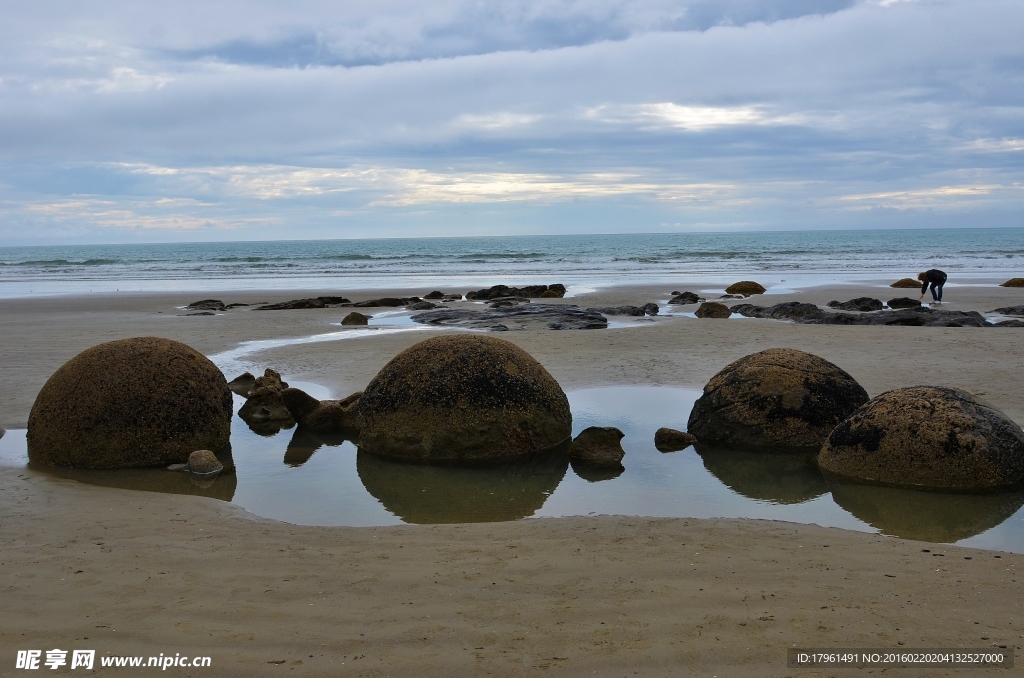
(936,279)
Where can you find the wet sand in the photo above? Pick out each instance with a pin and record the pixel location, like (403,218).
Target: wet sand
(148,573)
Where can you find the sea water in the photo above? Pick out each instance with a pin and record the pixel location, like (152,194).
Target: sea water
(788,259)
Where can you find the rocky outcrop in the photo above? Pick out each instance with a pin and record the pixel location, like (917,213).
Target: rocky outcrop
(130,403)
(712,309)
(460,398)
(863,304)
(789,310)
(683,298)
(1013,282)
(387,302)
(264,402)
(530,292)
(907,283)
(598,446)
(356,318)
(745,287)
(927,437)
(778,398)
(207,305)
(639,311)
(312,302)
(327,416)
(903,302)
(671,440)
(1010,310)
(919,316)
(552,316)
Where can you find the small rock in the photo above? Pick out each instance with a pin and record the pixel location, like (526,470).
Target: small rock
(204,462)
(671,440)
(550,294)
(242,384)
(436,294)
(745,287)
(908,283)
(328,416)
(356,318)
(530,291)
(1010,310)
(903,302)
(713,309)
(683,298)
(422,306)
(207,305)
(598,445)
(650,308)
(1013,282)
(264,402)
(863,304)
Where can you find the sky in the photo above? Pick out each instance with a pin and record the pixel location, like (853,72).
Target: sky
(237,120)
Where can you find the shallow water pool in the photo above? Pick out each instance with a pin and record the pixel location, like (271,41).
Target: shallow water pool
(303,478)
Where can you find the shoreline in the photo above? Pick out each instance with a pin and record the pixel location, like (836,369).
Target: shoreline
(131,572)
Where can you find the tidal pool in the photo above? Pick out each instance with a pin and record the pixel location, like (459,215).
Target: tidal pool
(299,477)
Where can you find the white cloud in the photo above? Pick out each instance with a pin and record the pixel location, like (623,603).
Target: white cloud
(168,214)
(940,197)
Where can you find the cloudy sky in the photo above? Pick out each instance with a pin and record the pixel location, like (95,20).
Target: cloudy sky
(238,120)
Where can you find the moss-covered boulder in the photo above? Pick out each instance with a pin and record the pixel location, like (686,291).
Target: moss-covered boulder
(712,309)
(906,283)
(746,288)
(778,398)
(462,397)
(927,437)
(1013,282)
(130,403)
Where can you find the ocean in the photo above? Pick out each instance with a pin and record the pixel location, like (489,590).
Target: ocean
(783,260)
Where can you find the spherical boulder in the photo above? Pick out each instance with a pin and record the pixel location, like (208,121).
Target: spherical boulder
(927,437)
(462,397)
(746,288)
(777,398)
(1013,282)
(712,309)
(130,403)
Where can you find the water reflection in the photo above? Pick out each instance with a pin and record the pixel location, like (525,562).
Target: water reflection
(594,473)
(305,442)
(459,494)
(925,516)
(151,480)
(780,478)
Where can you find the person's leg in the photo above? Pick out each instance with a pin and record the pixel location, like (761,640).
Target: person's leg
(939,291)
(932,288)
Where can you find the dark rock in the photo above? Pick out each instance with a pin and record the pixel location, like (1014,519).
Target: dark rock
(422,306)
(460,398)
(750,310)
(903,302)
(927,437)
(130,403)
(796,311)
(207,305)
(453,297)
(651,308)
(1009,323)
(242,384)
(292,305)
(913,317)
(777,398)
(356,318)
(554,316)
(199,313)
(502,302)
(2,431)
(551,294)
(530,292)
(333,301)
(1013,282)
(598,446)
(712,309)
(436,294)
(264,402)
(498,328)
(745,287)
(204,462)
(684,298)
(907,283)
(863,304)
(235,305)
(671,440)
(326,416)
(618,310)
(388,302)
(1010,310)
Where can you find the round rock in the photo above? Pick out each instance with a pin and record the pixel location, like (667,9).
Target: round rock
(927,437)
(356,318)
(598,445)
(130,403)
(712,309)
(745,287)
(671,440)
(204,462)
(459,398)
(778,398)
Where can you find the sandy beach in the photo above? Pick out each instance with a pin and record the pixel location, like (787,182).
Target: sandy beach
(130,573)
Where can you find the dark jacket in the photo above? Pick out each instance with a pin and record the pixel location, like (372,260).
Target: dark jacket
(934,277)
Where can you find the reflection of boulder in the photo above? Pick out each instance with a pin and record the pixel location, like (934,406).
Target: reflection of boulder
(270,428)
(927,437)
(595,473)
(781,478)
(779,397)
(424,494)
(130,403)
(462,397)
(152,480)
(322,415)
(305,442)
(922,515)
